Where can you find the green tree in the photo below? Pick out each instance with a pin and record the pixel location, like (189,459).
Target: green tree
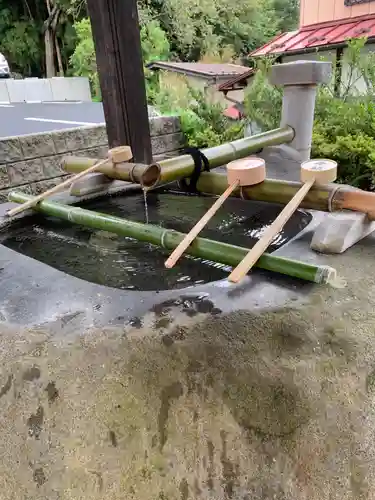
(195,27)
(287,12)
(155,46)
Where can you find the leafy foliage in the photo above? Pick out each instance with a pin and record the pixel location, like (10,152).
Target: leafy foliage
(287,12)
(83,59)
(155,46)
(195,27)
(184,29)
(202,121)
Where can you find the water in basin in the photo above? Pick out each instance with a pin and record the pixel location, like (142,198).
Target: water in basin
(119,262)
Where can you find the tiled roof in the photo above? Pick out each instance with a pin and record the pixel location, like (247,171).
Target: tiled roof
(228,85)
(200,69)
(315,36)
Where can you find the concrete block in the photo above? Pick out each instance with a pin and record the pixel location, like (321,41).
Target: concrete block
(301,73)
(339,231)
(70,89)
(25,172)
(52,166)
(164,125)
(298,112)
(164,143)
(41,186)
(10,150)
(37,145)
(95,136)
(164,156)
(16,90)
(75,139)
(4,177)
(4,94)
(91,183)
(58,137)
(37,89)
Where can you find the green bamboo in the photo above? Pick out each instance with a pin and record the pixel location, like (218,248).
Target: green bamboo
(201,247)
(329,197)
(181,167)
(320,197)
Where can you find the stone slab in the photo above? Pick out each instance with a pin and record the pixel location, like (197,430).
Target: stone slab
(301,73)
(339,231)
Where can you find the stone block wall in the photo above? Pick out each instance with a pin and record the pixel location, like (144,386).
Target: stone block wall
(32,163)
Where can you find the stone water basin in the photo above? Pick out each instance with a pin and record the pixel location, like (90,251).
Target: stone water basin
(117,262)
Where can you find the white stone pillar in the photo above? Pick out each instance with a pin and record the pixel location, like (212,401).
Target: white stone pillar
(300,80)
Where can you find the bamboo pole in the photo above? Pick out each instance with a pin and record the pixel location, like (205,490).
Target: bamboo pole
(181,167)
(201,247)
(327,198)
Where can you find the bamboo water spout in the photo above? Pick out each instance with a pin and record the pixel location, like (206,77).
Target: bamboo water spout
(201,247)
(181,167)
(327,197)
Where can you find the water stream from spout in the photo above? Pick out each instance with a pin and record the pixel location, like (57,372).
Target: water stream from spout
(146,206)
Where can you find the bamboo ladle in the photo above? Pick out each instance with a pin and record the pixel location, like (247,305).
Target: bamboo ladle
(116,155)
(243,172)
(312,171)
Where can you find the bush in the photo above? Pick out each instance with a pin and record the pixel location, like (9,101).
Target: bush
(202,122)
(344,128)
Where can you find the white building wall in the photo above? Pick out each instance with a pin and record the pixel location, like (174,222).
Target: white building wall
(348,78)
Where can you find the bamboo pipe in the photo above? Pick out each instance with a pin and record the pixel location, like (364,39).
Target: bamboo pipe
(182,167)
(201,247)
(327,198)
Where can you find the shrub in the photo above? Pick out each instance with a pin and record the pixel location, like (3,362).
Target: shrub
(202,121)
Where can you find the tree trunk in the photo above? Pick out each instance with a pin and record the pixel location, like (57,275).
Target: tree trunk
(59,58)
(49,43)
(49,51)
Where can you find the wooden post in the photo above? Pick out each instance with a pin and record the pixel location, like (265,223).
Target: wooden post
(116,33)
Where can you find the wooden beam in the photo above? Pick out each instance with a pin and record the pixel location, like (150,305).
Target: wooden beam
(116,34)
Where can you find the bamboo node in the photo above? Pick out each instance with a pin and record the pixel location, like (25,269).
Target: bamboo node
(325,275)
(162,239)
(331,199)
(131,174)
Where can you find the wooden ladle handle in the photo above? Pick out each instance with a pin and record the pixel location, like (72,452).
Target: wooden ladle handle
(261,246)
(190,237)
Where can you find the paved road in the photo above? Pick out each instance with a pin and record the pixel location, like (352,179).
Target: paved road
(30,118)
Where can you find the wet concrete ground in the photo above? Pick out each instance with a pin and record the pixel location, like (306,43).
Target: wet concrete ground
(263,393)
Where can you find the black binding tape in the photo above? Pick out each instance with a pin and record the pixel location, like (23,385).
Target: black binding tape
(201,164)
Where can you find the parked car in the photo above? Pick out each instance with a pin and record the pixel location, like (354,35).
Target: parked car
(4,67)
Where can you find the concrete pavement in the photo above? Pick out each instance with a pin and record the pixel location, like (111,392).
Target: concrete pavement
(31,118)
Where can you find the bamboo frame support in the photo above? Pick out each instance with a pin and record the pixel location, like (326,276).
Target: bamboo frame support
(180,167)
